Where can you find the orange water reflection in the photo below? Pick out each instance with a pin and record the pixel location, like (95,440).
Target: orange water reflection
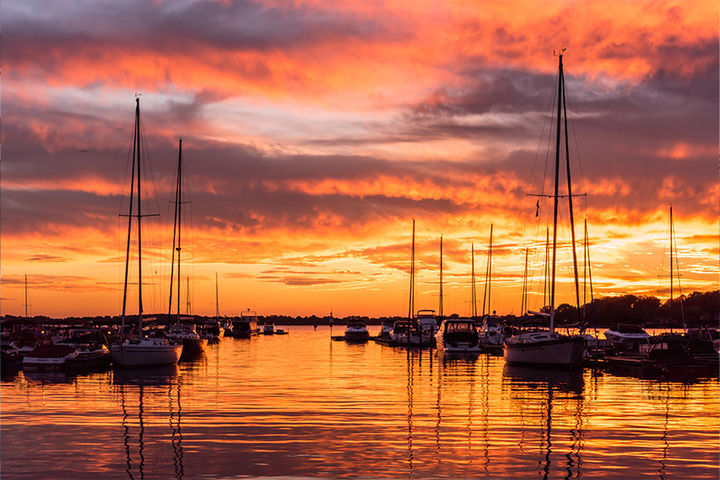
(302,405)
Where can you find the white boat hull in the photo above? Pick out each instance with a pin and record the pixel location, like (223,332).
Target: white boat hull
(129,355)
(45,364)
(561,352)
(626,338)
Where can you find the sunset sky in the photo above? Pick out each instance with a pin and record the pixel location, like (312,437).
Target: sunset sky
(314,132)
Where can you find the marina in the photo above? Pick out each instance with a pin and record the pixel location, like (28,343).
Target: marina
(362,240)
(244,410)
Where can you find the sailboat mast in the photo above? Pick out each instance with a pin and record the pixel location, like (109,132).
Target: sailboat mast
(411,305)
(488,276)
(139,217)
(671,260)
(136,143)
(440,310)
(589,263)
(570,197)
(556,196)
(174,245)
(178,220)
(585,261)
(546,268)
(524,306)
(473,296)
(217,298)
(26,297)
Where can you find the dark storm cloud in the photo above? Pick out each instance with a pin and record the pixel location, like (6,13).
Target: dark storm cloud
(176,27)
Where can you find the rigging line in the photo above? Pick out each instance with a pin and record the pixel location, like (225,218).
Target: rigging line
(570,195)
(662,262)
(577,149)
(544,138)
(677,269)
(547,124)
(551,118)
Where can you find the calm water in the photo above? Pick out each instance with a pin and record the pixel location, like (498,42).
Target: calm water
(301,405)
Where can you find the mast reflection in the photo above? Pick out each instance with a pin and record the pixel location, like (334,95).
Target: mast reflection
(666,446)
(453,372)
(142,379)
(550,383)
(175,427)
(410,361)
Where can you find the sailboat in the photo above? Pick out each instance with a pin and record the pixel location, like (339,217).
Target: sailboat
(212,330)
(184,329)
(550,348)
(418,330)
(141,349)
(491,337)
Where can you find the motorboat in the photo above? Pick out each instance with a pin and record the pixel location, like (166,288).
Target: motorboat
(458,335)
(247,325)
(409,334)
(184,333)
(89,357)
(427,321)
(385,330)
(91,345)
(80,337)
(47,357)
(356,331)
(491,335)
(627,336)
(211,330)
(401,332)
(668,355)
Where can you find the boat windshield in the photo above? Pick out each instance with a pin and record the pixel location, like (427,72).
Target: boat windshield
(452,327)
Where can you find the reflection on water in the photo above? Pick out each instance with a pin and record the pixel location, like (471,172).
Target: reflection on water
(300,405)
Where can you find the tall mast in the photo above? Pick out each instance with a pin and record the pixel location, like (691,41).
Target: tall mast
(178,220)
(524,306)
(139,217)
(440,310)
(671,260)
(136,144)
(217,296)
(546,269)
(473,297)
(673,252)
(589,262)
(556,196)
(677,270)
(569,186)
(585,268)
(26,297)
(488,276)
(411,305)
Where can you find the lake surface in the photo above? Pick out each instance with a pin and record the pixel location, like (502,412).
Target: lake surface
(301,405)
